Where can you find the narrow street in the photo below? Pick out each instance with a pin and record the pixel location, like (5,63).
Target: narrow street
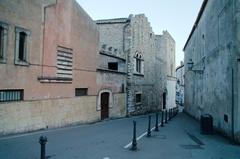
(180,138)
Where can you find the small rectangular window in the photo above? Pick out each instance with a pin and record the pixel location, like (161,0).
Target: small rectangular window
(11,95)
(22,45)
(113,66)
(81,91)
(138,98)
(3,42)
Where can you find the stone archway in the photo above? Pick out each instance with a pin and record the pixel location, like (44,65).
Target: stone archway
(105,100)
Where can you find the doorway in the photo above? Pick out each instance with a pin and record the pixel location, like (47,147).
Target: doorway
(164,100)
(104,105)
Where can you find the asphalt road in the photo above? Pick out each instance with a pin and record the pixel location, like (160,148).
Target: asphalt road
(179,139)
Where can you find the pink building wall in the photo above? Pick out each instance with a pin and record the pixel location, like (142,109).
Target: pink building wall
(66,24)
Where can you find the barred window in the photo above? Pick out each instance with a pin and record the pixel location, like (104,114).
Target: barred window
(11,95)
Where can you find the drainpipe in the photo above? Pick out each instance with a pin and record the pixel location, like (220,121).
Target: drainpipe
(44,8)
(127,52)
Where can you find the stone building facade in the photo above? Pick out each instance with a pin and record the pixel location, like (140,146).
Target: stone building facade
(212,66)
(180,84)
(146,78)
(111,80)
(48,60)
(167,52)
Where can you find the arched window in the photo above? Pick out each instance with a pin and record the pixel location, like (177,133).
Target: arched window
(138,62)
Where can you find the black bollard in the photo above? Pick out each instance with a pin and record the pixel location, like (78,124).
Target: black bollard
(156,124)
(162,123)
(149,126)
(169,114)
(43,141)
(134,140)
(166,116)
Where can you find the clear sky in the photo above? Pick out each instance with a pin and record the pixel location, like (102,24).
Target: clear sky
(176,16)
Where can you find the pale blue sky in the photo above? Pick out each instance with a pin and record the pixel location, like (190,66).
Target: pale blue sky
(176,16)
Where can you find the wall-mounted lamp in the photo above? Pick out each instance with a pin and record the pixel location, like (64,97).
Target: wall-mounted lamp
(190,67)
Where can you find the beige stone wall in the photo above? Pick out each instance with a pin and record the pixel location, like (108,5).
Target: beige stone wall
(119,107)
(34,115)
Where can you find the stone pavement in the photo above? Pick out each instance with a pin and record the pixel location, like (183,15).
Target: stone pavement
(179,139)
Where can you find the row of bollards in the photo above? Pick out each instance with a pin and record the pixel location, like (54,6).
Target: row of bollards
(169,114)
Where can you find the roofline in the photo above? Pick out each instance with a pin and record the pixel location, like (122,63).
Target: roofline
(112,21)
(196,22)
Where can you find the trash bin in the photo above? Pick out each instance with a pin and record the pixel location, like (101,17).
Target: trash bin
(206,124)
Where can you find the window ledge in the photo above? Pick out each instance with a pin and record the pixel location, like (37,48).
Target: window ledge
(3,61)
(140,103)
(55,80)
(138,74)
(22,63)
(108,70)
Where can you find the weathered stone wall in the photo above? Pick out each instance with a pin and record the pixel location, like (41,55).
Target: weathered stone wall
(236,66)
(167,52)
(27,116)
(119,107)
(211,47)
(166,59)
(134,35)
(142,41)
(180,84)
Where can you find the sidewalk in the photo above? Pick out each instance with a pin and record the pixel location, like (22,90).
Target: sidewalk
(179,139)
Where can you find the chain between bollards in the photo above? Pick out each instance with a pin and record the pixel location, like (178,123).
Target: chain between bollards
(156,124)
(42,142)
(149,126)
(134,140)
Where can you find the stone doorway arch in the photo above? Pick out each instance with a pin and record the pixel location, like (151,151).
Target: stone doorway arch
(104,103)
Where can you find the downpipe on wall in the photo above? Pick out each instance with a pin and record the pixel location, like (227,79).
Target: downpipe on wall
(233,136)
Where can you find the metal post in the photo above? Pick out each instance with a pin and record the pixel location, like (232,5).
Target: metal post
(149,126)
(156,124)
(166,116)
(134,140)
(162,123)
(169,114)
(43,141)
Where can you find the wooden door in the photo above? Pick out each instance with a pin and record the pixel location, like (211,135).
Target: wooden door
(104,105)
